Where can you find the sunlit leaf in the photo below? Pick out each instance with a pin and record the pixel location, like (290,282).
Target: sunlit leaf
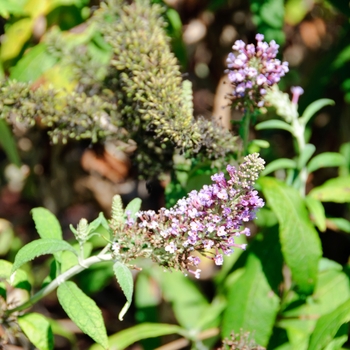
(300,243)
(126,282)
(334,190)
(328,325)
(83,311)
(46,223)
(33,64)
(38,330)
(252,305)
(317,212)
(324,160)
(40,247)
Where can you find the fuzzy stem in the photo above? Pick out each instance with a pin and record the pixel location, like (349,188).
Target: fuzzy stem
(245,127)
(84,264)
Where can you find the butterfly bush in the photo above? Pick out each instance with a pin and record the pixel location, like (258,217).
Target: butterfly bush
(252,71)
(206,221)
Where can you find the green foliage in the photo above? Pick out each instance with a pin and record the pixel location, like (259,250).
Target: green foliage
(38,330)
(129,336)
(83,311)
(301,246)
(46,224)
(252,304)
(8,144)
(126,282)
(333,190)
(40,247)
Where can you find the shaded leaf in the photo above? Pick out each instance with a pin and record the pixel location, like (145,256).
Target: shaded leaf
(40,247)
(252,305)
(8,144)
(83,311)
(300,243)
(306,154)
(126,282)
(334,190)
(282,163)
(314,107)
(274,124)
(127,337)
(132,208)
(324,160)
(38,330)
(46,223)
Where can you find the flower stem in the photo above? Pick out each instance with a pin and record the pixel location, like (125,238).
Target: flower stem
(244,130)
(84,264)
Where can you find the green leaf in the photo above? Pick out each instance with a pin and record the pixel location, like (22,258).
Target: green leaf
(260,143)
(306,154)
(274,124)
(38,330)
(15,37)
(126,282)
(335,190)
(317,212)
(325,160)
(252,304)
(83,311)
(345,151)
(328,325)
(300,243)
(132,208)
(12,7)
(314,107)
(46,223)
(282,163)
(8,144)
(6,236)
(40,247)
(18,280)
(188,303)
(339,224)
(127,337)
(33,64)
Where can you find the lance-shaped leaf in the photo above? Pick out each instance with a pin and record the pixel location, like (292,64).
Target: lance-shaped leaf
(126,282)
(300,243)
(324,160)
(282,163)
(274,124)
(328,325)
(46,223)
(314,107)
(38,330)
(335,190)
(317,212)
(40,247)
(8,144)
(83,311)
(127,337)
(252,305)
(132,208)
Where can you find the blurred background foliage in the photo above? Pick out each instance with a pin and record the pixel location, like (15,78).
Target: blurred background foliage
(78,179)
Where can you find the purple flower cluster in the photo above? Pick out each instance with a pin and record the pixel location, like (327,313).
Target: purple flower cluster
(207,221)
(253,70)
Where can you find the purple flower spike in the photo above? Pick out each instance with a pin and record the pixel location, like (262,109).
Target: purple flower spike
(253,71)
(206,221)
